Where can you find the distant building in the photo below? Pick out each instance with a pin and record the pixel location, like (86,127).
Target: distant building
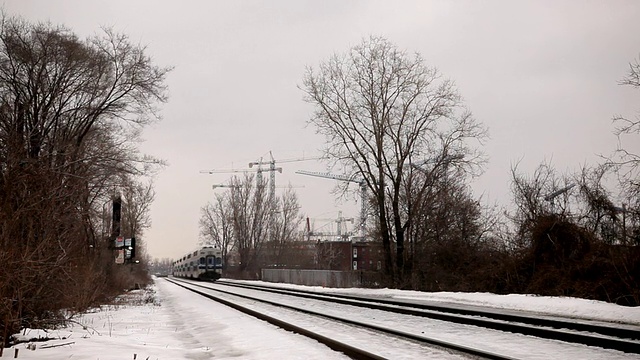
(354,254)
(366,256)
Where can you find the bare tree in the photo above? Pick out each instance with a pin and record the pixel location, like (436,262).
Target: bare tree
(284,226)
(625,125)
(544,193)
(216,224)
(382,110)
(250,213)
(161,267)
(627,160)
(67,108)
(330,256)
(136,202)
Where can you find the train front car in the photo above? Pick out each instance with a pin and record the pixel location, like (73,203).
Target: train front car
(210,264)
(202,264)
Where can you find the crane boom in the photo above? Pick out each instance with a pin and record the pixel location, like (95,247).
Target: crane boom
(272,169)
(328,176)
(215,186)
(363,190)
(223,171)
(557,193)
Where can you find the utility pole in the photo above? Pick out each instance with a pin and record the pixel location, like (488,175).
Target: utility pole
(115,218)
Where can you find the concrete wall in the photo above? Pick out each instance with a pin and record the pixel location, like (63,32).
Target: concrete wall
(328,278)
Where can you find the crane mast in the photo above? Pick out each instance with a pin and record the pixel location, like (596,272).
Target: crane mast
(272,170)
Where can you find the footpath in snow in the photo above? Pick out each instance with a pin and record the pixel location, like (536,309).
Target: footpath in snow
(165,322)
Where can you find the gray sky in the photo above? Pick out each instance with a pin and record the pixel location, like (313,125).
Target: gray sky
(541,75)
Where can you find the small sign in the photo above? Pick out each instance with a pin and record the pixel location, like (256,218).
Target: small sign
(120,241)
(119,256)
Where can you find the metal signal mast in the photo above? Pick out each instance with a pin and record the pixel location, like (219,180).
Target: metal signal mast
(361,183)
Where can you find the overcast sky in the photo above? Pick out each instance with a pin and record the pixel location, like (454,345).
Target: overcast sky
(541,75)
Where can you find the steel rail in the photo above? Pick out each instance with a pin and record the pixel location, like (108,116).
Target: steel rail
(553,329)
(418,338)
(335,345)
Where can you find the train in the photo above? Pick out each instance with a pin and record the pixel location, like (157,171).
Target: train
(204,263)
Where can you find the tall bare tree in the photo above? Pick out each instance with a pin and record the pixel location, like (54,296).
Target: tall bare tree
(285,227)
(216,224)
(627,161)
(136,203)
(629,126)
(69,109)
(251,211)
(382,110)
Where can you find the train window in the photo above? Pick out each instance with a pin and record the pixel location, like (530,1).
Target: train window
(218,261)
(211,260)
(202,261)
(195,253)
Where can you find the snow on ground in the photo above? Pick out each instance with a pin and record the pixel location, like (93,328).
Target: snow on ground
(165,322)
(169,325)
(543,305)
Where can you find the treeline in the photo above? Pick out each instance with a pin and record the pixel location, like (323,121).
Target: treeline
(566,236)
(70,114)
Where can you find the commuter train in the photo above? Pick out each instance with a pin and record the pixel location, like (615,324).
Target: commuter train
(204,263)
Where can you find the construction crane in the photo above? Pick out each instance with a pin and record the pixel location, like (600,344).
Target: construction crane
(272,189)
(339,221)
(363,190)
(259,170)
(215,186)
(272,169)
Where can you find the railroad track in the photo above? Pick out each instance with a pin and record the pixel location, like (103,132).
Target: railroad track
(409,312)
(605,336)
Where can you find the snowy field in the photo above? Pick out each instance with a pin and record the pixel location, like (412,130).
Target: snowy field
(165,322)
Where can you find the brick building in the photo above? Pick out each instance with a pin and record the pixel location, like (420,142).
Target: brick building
(354,254)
